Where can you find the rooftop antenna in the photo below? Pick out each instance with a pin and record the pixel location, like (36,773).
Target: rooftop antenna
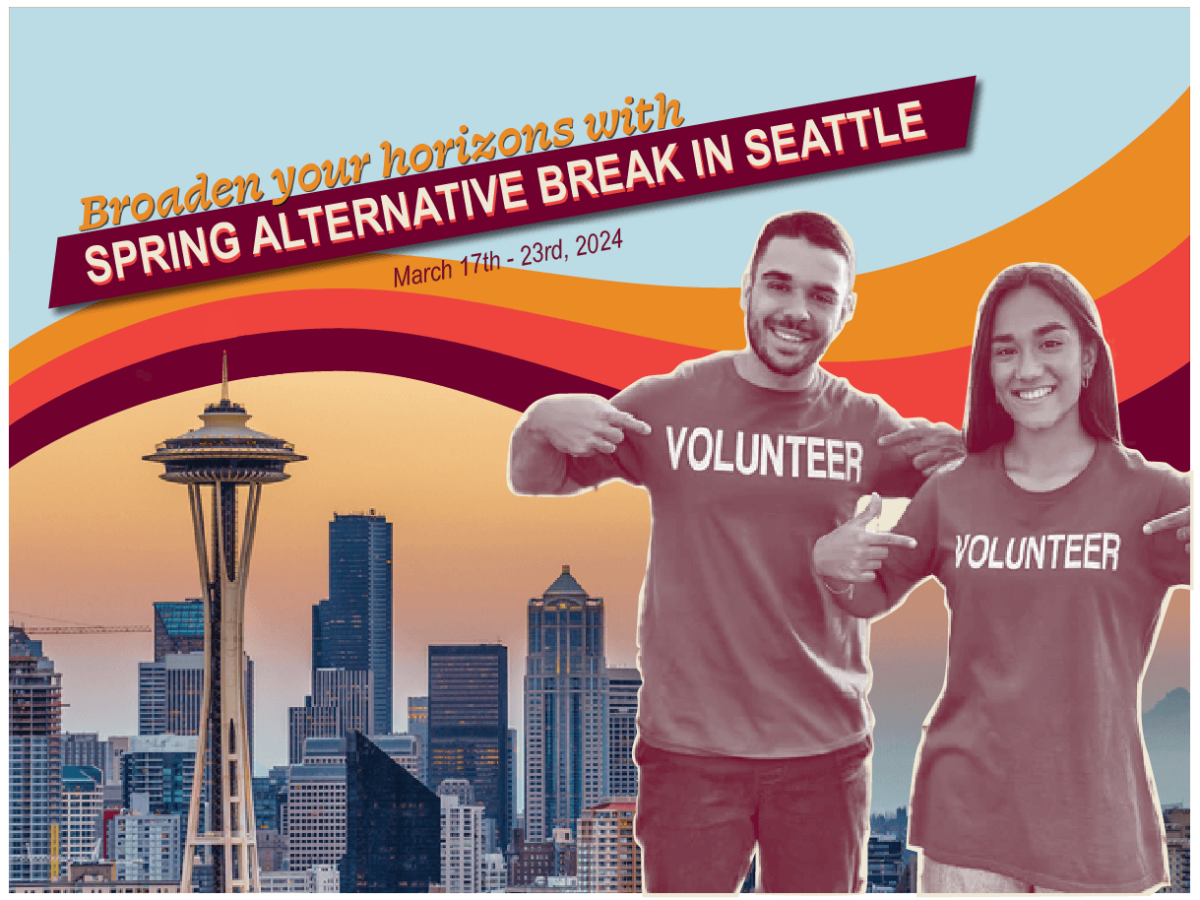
(224,376)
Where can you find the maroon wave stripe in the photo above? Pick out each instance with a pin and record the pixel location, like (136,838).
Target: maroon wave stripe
(1155,422)
(506,380)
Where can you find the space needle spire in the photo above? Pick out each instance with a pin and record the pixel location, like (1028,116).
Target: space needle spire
(224,455)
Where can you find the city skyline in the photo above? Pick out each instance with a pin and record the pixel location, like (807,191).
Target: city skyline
(468,555)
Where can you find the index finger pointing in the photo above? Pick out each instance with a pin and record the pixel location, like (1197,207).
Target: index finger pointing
(886,538)
(1176,519)
(624,420)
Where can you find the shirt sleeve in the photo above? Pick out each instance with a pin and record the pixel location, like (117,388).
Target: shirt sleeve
(903,567)
(896,476)
(1169,561)
(627,462)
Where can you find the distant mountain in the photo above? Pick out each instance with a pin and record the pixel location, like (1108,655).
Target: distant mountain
(1167,727)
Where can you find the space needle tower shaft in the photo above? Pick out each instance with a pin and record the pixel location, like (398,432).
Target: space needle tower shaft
(227,464)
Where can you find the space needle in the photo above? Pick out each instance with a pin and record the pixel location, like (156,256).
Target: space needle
(226,455)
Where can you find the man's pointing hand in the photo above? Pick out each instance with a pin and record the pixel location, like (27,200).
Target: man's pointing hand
(929,445)
(583,424)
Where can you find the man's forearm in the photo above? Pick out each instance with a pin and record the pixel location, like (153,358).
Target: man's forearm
(535,466)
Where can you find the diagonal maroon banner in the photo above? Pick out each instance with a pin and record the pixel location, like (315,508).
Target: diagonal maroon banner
(509,192)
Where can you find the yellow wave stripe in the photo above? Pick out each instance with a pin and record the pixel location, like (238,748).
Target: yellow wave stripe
(1106,229)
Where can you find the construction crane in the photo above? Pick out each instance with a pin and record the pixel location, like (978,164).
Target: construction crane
(68,627)
(84,629)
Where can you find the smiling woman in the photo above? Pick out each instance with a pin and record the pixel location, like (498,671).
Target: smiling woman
(1055,545)
(1045,374)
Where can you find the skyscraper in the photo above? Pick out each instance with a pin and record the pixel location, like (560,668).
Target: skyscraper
(623,685)
(315,815)
(178,627)
(353,629)
(393,824)
(566,706)
(34,759)
(468,723)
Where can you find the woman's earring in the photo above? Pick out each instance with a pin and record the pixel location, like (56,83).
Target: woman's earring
(1087,377)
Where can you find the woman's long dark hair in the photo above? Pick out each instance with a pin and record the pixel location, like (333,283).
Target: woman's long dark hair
(987,422)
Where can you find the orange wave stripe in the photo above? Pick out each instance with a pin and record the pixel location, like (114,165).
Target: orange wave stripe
(911,313)
(1143,350)
(583,350)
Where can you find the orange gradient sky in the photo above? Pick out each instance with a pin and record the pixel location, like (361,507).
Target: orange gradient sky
(96,537)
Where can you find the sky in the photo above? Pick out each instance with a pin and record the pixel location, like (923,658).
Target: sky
(96,537)
(1060,91)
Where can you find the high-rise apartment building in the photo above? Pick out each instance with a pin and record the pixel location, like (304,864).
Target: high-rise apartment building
(609,858)
(623,686)
(468,723)
(418,724)
(34,759)
(566,706)
(463,846)
(146,847)
(178,627)
(353,629)
(83,807)
(1178,822)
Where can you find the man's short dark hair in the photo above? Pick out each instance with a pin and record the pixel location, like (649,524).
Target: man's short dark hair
(817,228)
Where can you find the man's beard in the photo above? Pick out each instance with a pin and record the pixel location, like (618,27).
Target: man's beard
(808,353)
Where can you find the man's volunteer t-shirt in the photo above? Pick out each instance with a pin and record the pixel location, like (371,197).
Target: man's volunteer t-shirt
(741,652)
(1032,763)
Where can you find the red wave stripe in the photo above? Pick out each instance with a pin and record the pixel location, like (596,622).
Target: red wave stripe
(932,385)
(598,354)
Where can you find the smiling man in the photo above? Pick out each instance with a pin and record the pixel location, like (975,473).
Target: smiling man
(753,724)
